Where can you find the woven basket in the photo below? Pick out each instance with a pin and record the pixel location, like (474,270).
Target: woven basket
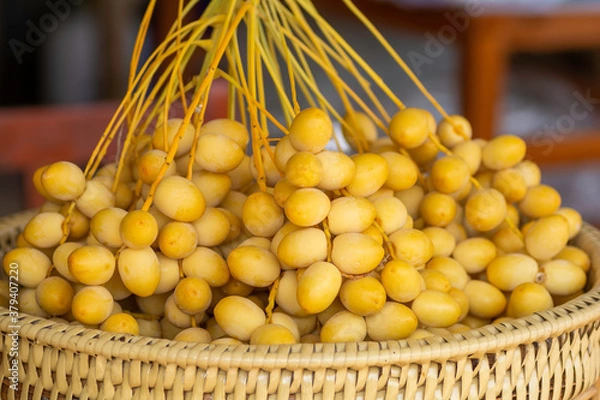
(551,355)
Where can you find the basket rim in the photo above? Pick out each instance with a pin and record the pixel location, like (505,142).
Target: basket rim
(475,343)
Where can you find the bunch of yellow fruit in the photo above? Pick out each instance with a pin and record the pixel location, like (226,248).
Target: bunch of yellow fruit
(426,232)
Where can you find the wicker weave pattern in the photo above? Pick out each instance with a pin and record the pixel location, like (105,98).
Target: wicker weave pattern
(551,355)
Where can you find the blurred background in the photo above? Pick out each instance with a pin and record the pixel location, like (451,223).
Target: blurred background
(509,66)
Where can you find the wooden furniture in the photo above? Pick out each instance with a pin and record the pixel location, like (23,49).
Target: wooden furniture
(489,34)
(32,137)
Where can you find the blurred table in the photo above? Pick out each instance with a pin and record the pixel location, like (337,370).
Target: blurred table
(489,32)
(32,137)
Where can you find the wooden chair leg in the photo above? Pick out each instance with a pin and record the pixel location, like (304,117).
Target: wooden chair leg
(485,63)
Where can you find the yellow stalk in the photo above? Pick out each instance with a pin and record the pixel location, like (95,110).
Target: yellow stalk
(358,59)
(342,84)
(197,97)
(330,69)
(402,65)
(257,104)
(133,94)
(257,157)
(271,304)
